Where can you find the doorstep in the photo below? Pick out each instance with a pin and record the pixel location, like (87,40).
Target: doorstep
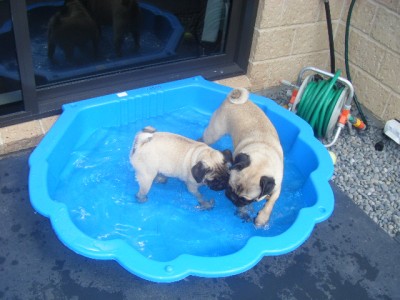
(24,135)
(27,135)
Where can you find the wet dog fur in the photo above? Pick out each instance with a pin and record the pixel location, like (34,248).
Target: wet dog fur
(257,168)
(157,154)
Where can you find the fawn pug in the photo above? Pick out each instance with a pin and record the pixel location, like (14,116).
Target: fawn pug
(166,154)
(257,169)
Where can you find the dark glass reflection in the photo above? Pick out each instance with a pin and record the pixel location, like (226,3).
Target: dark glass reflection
(73,39)
(10,85)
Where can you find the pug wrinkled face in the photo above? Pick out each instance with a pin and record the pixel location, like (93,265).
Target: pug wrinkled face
(245,184)
(236,199)
(215,174)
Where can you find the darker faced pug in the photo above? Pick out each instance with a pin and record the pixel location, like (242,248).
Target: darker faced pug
(171,155)
(257,169)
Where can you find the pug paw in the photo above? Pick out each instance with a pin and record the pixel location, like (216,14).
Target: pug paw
(206,205)
(244,215)
(141,198)
(260,222)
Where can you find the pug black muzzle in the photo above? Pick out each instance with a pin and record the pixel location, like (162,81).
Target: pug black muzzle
(236,200)
(218,183)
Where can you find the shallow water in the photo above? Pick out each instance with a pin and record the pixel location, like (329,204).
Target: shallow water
(98,186)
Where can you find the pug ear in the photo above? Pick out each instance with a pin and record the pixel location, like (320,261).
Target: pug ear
(242,160)
(267,185)
(199,170)
(227,156)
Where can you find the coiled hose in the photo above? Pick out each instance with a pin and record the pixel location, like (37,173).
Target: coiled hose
(318,102)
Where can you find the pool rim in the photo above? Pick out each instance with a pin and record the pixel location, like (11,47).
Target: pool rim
(185,264)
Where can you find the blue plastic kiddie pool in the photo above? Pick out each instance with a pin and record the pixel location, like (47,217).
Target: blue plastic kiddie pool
(81,179)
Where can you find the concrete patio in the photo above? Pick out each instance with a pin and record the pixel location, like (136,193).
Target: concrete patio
(346,257)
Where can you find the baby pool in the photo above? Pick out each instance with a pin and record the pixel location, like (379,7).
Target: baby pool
(81,179)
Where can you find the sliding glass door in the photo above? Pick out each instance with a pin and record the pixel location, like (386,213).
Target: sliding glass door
(10,81)
(64,51)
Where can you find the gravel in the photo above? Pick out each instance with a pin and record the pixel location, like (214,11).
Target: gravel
(368,176)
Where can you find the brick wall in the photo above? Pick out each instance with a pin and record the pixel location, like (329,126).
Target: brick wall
(292,34)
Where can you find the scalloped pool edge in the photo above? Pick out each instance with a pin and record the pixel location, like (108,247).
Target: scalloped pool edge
(184,265)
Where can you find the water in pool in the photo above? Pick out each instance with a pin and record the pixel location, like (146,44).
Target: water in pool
(98,186)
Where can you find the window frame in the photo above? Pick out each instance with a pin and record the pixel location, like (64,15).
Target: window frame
(45,101)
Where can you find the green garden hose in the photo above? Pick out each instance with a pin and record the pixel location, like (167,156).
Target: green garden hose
(318,102)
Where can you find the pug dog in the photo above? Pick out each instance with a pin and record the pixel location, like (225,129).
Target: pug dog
(122,15)
(71,27)
(156,155)
(257,169)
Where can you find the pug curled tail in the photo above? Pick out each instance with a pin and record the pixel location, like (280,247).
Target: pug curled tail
(143,137)
(238,96)
(217,126)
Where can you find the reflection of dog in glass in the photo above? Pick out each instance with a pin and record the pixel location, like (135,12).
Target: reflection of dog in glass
(71,27)
(123,15)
